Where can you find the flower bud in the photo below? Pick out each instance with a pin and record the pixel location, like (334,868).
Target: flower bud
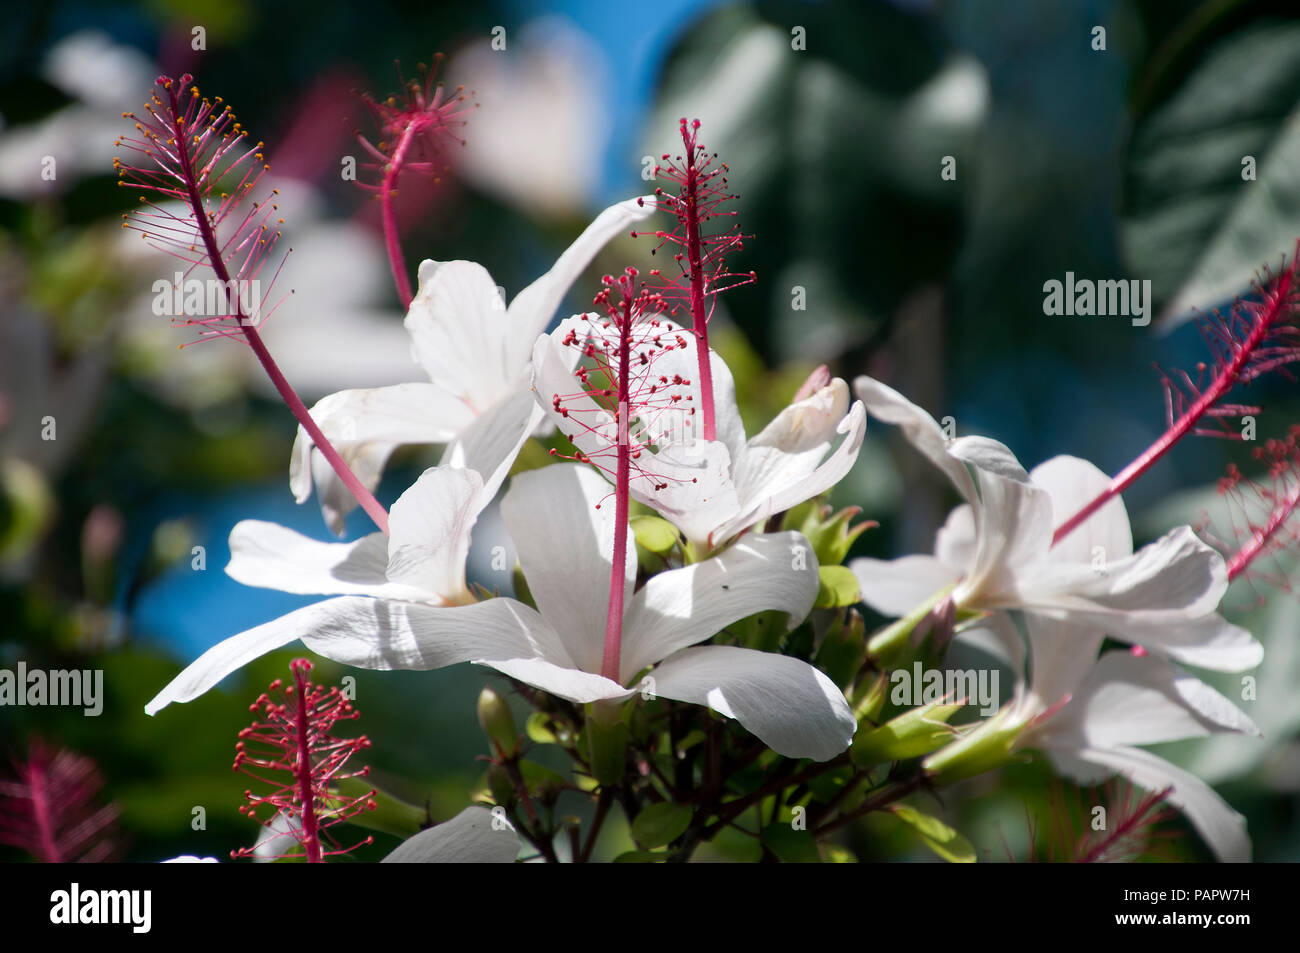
(497,722)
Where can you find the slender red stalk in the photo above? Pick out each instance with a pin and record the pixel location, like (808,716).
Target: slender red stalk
(1263,539)
(295,739)
(1275,495)
(609,666)
(410,131)
(1255,339)
(700,188)
(50,810)
(186,147)
(392,237)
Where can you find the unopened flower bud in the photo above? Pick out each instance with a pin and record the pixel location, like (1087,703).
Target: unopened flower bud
(497,722)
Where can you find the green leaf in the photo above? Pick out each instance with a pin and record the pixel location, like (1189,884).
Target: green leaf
(837,587)
(655,534)
(1194,224)
(936,835)
(790,845)
(640,857)
(661,824)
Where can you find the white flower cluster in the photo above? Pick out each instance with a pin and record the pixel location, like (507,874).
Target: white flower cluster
(401,601)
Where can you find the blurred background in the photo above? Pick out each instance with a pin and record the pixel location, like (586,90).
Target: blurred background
(912,172)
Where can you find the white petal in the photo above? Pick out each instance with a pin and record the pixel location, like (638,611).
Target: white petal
(275,557)
(895,587)
(533,308)
(790,706)
(566,548)
(471,837)
(1223,829)
(563,681)
(460,331)
(985,453)
(1161,597)
(787,464)
(1131,700)
(238,650)
(684,606)
(1061,657)
(1013,534)
(955,541)
(429,531)
(1073,483)
(365,426)
(492,442)
(920,429)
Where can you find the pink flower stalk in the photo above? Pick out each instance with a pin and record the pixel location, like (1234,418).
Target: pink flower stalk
(191,150)
(1255,338)
(1267,506)
(409,132)
(698,190)
(49,809)
(295,743)
(616,373)
(1130,828)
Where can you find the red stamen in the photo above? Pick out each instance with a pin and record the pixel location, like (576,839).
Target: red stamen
(699,190)
(1256,338)
(191,145)
(296,740)
(409,134)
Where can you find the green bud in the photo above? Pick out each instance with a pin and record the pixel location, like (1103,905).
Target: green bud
(887,646)
(912,734)
(497,722)
(500,785)
(990,745)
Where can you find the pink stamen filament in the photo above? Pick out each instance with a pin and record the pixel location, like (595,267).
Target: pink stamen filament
(1260,540)
(303,773)
(609,666)
(392,236)
(299,410)
(699,316)
(37,782)
(1222,383)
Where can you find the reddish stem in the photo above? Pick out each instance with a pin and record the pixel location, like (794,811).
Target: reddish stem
(278,380)
(614,619)
(699,316)
(36,782)
(1183,425)
(392,237)
(1260,540)
(303,773)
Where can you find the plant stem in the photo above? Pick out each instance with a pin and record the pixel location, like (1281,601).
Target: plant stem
(699,317)
(392,237)
(609,666)
(1223,382)
(299,410)
(303,774)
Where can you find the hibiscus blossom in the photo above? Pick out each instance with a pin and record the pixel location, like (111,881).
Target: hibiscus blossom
(476,351)
(995,552)
(712,490)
